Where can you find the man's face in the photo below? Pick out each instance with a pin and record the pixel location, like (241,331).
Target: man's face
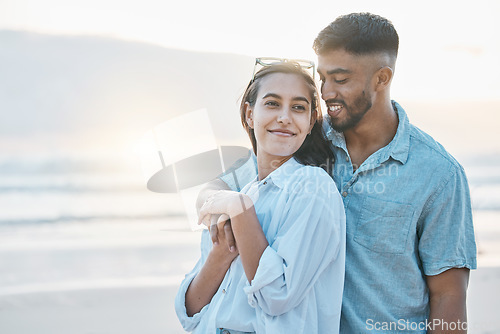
(345,87)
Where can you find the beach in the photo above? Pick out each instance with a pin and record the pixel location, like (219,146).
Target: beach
(85,278)
(85,247)
(122,276)
(93,251)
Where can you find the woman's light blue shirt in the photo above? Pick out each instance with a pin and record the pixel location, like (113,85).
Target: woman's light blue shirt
(299,281)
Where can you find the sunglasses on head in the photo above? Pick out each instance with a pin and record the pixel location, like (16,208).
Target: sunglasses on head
(268,61)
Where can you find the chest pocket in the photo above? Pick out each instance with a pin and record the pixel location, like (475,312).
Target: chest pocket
(384,226)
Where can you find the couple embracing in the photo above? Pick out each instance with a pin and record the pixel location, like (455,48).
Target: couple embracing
(357,222)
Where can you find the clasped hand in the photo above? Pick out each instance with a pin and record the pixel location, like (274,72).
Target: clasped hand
(216,214)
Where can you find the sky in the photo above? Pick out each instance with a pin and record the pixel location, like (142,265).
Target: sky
(447,48)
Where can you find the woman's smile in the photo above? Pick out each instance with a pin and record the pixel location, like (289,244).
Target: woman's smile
(282,132)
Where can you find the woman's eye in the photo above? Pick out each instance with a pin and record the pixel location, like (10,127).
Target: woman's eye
(341,81)
(299,107)
(271,103)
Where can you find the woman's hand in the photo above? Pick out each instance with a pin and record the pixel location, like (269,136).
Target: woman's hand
(223,202)
(215,213)
(250,238)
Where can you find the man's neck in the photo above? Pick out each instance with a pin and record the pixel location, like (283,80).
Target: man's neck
(377,129)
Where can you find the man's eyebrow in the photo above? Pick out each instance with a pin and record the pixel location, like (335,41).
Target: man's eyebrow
(276,96)
(336,71)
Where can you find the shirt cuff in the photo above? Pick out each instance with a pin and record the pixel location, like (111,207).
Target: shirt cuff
(270,268)
(432,270)
(187,322)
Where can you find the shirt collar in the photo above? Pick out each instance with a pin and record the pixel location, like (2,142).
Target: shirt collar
(280,175)
(398,147)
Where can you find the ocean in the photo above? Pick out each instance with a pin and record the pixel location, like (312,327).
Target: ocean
(62,204)
(73,225)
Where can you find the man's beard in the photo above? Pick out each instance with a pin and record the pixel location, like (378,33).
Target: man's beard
(354,113)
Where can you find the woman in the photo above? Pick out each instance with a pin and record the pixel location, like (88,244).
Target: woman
(287,273)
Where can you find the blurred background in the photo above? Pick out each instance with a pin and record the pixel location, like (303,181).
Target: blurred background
(84,246)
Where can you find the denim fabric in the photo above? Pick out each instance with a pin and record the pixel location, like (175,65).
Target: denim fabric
(408,215)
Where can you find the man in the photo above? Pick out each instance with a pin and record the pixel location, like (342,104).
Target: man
(410,238)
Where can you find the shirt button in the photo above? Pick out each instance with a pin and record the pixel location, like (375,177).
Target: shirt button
(346,158)
(265,182)
(223,290)
(344,194)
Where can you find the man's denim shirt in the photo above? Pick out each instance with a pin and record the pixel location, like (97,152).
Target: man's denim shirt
(408,215)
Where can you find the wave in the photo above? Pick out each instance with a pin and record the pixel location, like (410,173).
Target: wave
(72,188)
(69,218)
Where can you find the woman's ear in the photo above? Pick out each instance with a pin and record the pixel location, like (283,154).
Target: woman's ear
(249,115)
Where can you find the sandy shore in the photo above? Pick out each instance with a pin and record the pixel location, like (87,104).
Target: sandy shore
(150,309)
(116,310)
(125,282)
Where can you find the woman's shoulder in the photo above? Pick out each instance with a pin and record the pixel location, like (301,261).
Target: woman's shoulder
(308,171)
(310,178)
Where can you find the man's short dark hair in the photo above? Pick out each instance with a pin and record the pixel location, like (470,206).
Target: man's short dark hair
(359,34)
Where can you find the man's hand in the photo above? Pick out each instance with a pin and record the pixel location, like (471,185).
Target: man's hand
(223,239)
(447,294)
(221,225)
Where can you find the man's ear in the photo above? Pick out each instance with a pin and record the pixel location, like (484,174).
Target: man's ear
(383,78)
(249,115)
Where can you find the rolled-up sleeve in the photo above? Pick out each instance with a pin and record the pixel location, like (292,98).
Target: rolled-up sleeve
(446,230)
(270,270)
(307,241)
(187,322)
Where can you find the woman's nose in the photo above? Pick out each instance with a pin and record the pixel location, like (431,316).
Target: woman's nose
(284,115)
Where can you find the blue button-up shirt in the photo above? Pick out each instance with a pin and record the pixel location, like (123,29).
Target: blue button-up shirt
(298,284)
(408,215)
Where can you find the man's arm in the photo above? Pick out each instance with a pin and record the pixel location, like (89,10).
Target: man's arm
(447,294)
(447,250)
(237,176)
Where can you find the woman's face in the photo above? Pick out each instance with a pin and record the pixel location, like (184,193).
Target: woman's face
(281,116)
